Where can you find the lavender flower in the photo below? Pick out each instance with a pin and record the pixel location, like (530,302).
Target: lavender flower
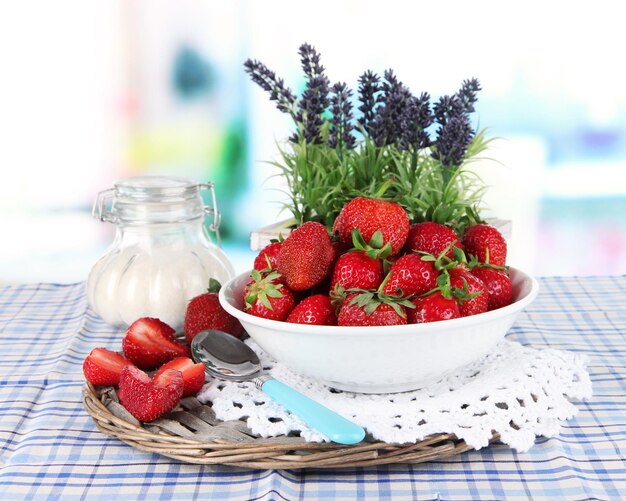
(453,140)
(368,89)
(446,108)
(314,100)
(386,126)
(267,80)
(341,121)
(467,94)
(310,60)
(416,118)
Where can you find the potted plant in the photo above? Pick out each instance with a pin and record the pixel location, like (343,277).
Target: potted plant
(387,143)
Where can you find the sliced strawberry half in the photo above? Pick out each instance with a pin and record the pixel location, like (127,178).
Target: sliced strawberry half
(193,374)
(148,399)
(103,367)
(149,343)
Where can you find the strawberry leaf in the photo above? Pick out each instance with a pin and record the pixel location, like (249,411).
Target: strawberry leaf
(377,240)
(370,307)
(459,255)
(396,307)
(273,292)
(214,285)
(264,299)
(357,240)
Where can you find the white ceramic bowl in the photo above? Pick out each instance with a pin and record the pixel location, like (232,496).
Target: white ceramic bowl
(380,359)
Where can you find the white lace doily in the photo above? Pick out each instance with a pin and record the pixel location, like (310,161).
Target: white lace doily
(517,391)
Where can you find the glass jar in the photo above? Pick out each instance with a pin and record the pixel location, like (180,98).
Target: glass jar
(162,255)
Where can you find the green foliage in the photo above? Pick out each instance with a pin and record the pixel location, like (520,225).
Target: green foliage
(320,180)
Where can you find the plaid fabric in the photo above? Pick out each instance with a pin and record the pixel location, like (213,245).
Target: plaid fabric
(50,448)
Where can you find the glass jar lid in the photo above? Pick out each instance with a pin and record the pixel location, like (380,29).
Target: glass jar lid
(155,199)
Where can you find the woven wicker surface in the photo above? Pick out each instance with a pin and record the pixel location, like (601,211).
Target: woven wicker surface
(193,434)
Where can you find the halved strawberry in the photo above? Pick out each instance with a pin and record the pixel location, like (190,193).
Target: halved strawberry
(148,399)
(104,367)
(149,343)
(193,374)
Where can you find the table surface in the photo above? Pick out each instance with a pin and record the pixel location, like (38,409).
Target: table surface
(50,448)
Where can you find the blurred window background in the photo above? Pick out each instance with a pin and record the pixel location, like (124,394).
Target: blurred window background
(92,92)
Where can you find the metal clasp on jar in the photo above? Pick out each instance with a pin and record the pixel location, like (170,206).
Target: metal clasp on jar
(217,217)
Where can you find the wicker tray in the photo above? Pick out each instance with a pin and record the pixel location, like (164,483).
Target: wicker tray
(193,434)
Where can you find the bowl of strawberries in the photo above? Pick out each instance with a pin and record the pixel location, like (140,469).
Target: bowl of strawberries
(379,305)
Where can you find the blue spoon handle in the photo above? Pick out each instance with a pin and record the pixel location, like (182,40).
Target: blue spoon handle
(335,427)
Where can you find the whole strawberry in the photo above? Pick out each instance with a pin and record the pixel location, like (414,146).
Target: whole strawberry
(103,367)
(370,308)
(204,312)
(432,238)
(486,244)
(410,274)
(467,284)
(314,310)
(433,308)
(498,285)
(356,269)
(369,216)
(306,256)
(266,297)
(149,343)
(148,399)
(268,257)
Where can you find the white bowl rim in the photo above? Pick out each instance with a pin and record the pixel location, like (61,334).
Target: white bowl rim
(328,330)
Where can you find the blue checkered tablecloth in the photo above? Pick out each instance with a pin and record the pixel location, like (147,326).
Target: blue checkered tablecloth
(50,448)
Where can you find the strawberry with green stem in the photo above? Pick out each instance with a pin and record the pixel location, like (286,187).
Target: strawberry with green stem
(204,312)
(486,244)
(369,215)
(373,307)
(266,296)
(363,266)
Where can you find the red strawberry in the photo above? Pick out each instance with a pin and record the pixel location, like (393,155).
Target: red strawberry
(149,343)
(315,310)
(193,374)
(433,308)
(356,270)
(268,253)
(265,296)
(306,256)
(370,308)
(205,312)
(104,366)
(369,216)
(148,399)
(486,243)
(432,238)
(498,284)
(464,281)
(411,275)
